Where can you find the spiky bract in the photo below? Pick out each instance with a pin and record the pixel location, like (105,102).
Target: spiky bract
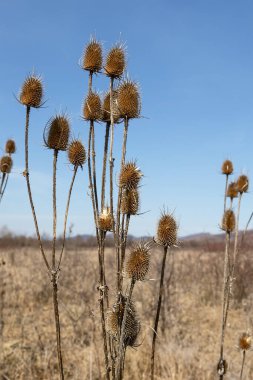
(105,220)
(92,58)
(6,164)
(137,264)
(56,134)
(227,167)
(115,62)
(129,100)
(130,176)
(242,183)
(92,109)
(130,202)
(245,341)
(10,147)
(167,230)
(232,191)
(76,153)
(31,92)
(228,221)
(106,109)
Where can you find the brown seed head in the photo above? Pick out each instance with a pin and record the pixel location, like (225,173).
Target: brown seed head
(228,221)
(130,202)
(92,109)
(232,191)
(130,176)
(105,220)
(167,230)
(115,62)
(92,57)
(31,92)
(106,115)
(6,164)
(245,341)
(227,167)
(56,134)
(76,153)
(137,265)
(242,184)
(129,100)
(10,147)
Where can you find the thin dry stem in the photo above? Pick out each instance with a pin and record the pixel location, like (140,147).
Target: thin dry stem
(107,131)
(225,195)
(243,362)
(54,207)
(4,181)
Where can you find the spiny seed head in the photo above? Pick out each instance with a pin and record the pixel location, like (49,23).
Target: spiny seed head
(129,100)
(56,134)
(31,92)
(137,264)
(245,341)
(106,115)
(105,220)
(6,164)
(76,153)
(130,202)
(92,57)
(92,109)
(242,184)
(232,191)
(130,176)
(115,62)
(227,167)
(10,147)
(167,230)
(228,221)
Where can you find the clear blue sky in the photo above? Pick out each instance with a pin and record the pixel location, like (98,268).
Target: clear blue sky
(194,62)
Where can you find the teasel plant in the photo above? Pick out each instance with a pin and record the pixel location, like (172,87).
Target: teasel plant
(244,345)
(56,138)
(6,164)
(166,237)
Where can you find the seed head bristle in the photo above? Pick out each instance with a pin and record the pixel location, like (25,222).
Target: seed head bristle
(115,62)
(130,176)
(167,231)
(76,153)
(129,100)
(227,167)
(10,147)
(105,220)
(242,184)
(56,134)
(232,191)
(228,221)
(137,264)
(92,109)
(106,115)
(92,57)
(6,164)
(245,341)
(130,202)
(31,92)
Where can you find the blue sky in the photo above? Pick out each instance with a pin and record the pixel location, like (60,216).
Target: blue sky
(194,63)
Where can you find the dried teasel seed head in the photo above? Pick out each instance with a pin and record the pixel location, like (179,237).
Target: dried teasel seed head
(115,62)
(105,220)
(129,100)
(244,342)
(10,147)
(242,184)
(130,202)
(31,92)
(228,221)
(227,167)
(6,164)
(92,109)
(56,134)
(232,191)
(137,264)
(130,176)
(167,231)
(92,57)
(76,153)
(106,114)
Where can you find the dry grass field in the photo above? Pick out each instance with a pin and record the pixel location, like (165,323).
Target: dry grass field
(188,340)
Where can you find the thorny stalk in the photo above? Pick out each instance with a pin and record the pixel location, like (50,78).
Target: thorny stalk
(236,234)
(111,159)
(94,167)
(225,195)
(243,362)
(107,131)
(3,185)
(54,207)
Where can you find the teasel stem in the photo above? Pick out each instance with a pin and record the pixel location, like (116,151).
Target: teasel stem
(90,81)
(246,229)
(111,159)
(158,309)
(54,207)
(107,131)
(26,174)
(94,166)
(3,185)
(243,362)
(66,215)
(236,234)
(125,228)
(225,195)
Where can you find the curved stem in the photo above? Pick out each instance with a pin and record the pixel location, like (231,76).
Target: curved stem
(54,207)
